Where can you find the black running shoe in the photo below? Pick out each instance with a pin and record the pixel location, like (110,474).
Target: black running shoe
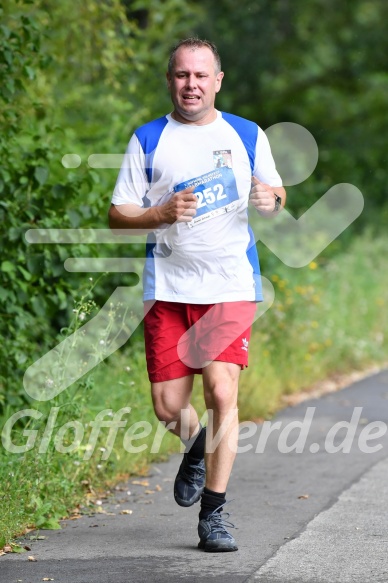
(190,481)
(214,538)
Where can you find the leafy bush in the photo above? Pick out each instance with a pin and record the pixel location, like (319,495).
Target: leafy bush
(33,195)
(80,69)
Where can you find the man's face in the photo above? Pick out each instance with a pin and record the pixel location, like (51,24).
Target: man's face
(193,85)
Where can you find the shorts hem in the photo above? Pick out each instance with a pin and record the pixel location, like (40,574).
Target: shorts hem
(171,376)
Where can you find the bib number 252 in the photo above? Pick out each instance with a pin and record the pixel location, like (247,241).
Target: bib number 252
(210,195)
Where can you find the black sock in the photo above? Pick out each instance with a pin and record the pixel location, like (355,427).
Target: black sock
(196,449)
(210,501)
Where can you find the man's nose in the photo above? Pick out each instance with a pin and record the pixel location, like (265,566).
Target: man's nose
(191,81)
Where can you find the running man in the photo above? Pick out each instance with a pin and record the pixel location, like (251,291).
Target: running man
(189,179)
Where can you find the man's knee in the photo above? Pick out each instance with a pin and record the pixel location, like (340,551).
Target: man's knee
(221,386)
(172,398)
(168,402)
(221,396)
(165,410)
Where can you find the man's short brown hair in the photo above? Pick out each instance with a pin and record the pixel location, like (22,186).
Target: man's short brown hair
(194,43)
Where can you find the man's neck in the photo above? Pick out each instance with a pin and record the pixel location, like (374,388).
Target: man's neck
(206,119)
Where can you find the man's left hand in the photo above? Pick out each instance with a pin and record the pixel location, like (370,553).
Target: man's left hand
(262,196)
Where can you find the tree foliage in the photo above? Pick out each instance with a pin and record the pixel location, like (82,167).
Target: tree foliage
(32,195)
(70,81)
(320,64)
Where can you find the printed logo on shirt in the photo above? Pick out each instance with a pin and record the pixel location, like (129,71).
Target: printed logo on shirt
(222,158)
(216,192)
(245,344)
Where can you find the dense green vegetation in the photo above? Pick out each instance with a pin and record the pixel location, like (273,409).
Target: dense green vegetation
(320,64)
(79,81)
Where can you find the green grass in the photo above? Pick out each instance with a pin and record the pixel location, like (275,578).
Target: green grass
(329,317)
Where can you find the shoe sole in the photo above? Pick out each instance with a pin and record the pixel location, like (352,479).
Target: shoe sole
(187,503)
(216,548)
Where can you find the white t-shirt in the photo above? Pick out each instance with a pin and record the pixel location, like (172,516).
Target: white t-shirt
(213,258)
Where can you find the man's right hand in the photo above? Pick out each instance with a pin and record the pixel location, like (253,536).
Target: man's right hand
(181,207)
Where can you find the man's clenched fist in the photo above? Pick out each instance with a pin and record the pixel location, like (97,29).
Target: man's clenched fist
(181,207)
(262,196)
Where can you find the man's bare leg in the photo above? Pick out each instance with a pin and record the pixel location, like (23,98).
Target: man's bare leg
(172,405)
(170,399)
(220,390)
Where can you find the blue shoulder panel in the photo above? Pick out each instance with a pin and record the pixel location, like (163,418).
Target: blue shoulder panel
(247,130)
(148,136)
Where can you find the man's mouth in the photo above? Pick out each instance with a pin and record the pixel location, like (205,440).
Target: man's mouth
(191,97)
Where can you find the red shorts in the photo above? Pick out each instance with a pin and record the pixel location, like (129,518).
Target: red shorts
(180,339)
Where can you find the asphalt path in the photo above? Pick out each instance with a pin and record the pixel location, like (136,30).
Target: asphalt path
(314,515)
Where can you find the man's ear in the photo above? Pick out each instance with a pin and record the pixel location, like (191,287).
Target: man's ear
(219,78)
(168,79)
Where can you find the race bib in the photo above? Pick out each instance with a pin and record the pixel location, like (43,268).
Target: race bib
(216,192)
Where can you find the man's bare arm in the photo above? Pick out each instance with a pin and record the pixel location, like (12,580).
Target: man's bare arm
(181,207)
